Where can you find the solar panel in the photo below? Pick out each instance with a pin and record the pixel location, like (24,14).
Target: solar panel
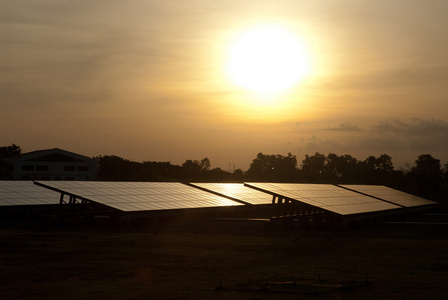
(238,191)
(326,196)
(25,193)
(391,195)
(141,196)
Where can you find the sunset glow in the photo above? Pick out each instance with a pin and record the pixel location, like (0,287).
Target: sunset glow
(164,81)
(267,59)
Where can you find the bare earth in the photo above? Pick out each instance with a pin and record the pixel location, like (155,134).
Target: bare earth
(222,260)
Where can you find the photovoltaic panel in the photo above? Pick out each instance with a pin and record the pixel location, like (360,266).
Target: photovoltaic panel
(326,196)
(391,195)
(14,193)
(238,191)
(141,196)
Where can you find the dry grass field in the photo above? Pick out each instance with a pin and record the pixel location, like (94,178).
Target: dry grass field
(222,260)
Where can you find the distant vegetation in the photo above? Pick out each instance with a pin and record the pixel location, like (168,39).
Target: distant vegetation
(427,178)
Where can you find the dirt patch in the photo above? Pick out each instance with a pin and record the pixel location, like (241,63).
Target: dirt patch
(189,261)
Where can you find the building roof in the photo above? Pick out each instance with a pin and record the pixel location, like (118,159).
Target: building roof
(54,154)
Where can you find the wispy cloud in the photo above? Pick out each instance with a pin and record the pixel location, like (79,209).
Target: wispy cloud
(415,128)
(403,140)
(345,127)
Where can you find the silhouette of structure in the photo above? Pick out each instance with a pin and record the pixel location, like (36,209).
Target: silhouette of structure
(53,164)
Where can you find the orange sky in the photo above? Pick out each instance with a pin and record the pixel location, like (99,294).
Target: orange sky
(146,80)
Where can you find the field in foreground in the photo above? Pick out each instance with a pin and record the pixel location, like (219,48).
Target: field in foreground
(218,260)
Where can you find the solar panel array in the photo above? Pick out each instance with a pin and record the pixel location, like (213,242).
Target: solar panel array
(144,196)
(238,191)
(141,196)
(26,193)
(391,195)
(326,196)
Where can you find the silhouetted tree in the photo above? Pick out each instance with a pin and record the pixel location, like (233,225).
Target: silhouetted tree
(426,176)
(195,170)
(379,170)
(428,165)
(194,165)
(340,169)
(161,171)
(238,175)
(112,167)
(6,153)
(273,168)
(445,174)
(217,175)
(313,167)
(10,151)
(384,163)
(205,164)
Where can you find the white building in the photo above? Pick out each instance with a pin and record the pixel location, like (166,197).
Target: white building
(54,164)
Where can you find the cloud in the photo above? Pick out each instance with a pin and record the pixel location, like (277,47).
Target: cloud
(302,125)
(345,127)
(403,140)
(390,125)
(417,128)
(417,135)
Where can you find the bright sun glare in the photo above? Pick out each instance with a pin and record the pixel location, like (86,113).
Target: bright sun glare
(267,59)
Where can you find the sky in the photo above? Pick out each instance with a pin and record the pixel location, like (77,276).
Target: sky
(148,80)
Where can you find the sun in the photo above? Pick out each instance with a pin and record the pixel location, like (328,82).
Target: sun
(267,59)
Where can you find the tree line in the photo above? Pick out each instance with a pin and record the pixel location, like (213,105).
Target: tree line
(427,178)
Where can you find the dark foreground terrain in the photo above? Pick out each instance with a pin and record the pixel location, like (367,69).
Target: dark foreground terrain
(222,260)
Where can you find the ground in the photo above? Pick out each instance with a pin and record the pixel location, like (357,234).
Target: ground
(221,260)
